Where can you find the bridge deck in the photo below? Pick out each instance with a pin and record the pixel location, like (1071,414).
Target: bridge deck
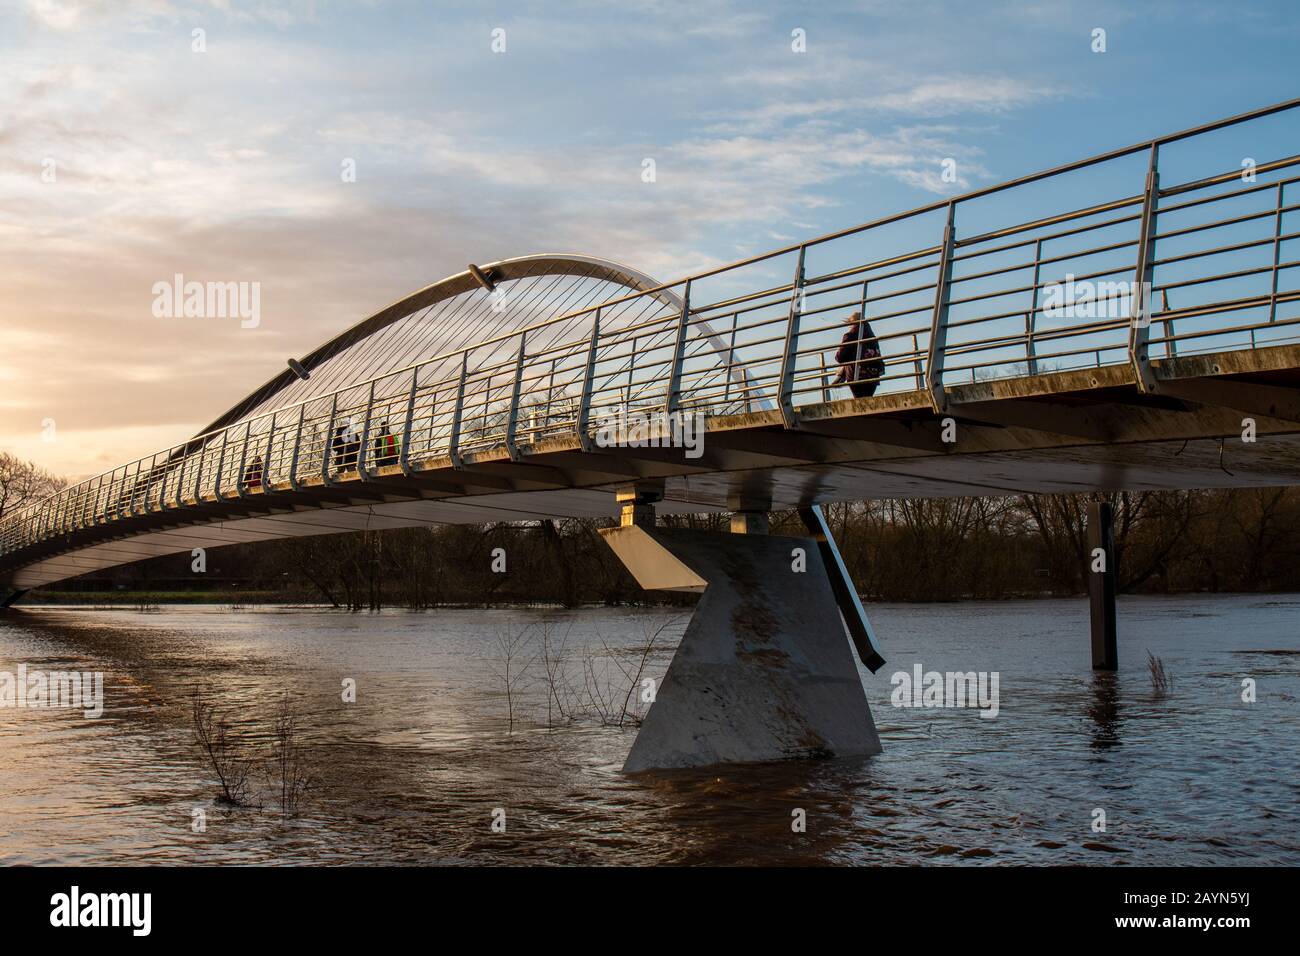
(1055,432)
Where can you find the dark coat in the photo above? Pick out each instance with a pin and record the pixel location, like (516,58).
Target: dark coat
(859,354)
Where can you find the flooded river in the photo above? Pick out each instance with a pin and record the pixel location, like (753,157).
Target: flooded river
(434,748)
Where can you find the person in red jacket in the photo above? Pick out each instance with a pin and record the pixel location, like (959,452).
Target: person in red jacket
(861,365)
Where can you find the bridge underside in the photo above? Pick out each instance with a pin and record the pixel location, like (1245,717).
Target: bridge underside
(1071,431)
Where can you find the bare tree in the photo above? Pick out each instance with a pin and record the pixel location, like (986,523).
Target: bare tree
(224,753)
(287,761)
(22,482)
(634,679)
(555,663)
(510,667)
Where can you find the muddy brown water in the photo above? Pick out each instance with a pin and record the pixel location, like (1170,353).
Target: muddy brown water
(413,770)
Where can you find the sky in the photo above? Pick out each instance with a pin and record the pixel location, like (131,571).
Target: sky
(133,148)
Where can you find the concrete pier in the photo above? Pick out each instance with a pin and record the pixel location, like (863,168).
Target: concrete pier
(765,670)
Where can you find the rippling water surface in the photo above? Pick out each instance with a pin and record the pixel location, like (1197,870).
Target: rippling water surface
(412,771)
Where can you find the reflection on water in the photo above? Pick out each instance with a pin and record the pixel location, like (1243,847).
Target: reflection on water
(412,772)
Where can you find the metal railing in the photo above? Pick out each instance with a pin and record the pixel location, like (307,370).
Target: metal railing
(759,334)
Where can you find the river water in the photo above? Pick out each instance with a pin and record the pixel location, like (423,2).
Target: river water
(414,769)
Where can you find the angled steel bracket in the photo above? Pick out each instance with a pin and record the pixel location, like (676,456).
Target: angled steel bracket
(482,278)
(846,595)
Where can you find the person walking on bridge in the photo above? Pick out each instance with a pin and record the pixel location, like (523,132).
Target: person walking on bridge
(339,447)
(385,447)
(861,365)
(253,473)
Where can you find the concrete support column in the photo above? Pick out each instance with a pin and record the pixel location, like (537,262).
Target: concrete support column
(637,503)
(764,671)
(749,514)
(1101,586)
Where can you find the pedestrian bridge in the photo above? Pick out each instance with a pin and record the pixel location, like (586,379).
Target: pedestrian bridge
(1127,321)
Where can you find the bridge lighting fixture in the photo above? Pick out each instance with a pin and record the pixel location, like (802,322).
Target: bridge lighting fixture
(481,277)
(297,368)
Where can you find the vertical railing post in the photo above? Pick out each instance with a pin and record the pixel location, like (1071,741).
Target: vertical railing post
(731,359)
(162,482)
(512,421)
(1171,332)
(1031,317)
(180,474)
(243,460)
(198,469)
(143,479)
(588,384)
(362,471)
(453,445)
(404,456)
(118,489)
(1140,303)
(1277,254)
(862,314)
(133,489)
(266,460)
(120,498)
(934,362)
(673,398)
(140,487)
(124,493)
(149,483)
(789,356)
(916,362)
(221,464)
(327,445)
(550,397)
(297,448)
(631,367)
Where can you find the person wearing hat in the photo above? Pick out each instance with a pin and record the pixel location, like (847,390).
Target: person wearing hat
(861,365)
